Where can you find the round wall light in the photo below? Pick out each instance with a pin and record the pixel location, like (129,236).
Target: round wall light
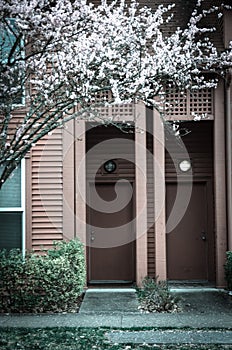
(185,165)
(110,166)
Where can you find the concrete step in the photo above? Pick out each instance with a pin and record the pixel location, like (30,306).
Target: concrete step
(171,337)
(109,301)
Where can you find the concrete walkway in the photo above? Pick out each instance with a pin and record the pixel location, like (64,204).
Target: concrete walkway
(207,313)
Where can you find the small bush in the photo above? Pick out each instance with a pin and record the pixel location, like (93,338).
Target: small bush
(42,283)
(228,270)
(155,296)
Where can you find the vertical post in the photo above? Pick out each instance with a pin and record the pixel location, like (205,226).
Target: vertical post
(23,205)
(68,181)
(141,192)
(229,158)
(220,186)
(28,206)
(80,181)
(159,197)
(227,30)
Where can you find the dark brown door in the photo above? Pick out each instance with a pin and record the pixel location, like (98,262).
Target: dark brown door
(187,243)
(110,233)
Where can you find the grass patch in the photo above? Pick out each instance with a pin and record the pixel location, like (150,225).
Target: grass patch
(78,338)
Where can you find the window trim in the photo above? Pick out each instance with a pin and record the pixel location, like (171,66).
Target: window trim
(22,208)
(22,103)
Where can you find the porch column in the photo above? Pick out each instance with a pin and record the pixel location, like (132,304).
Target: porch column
(229,160)
(228,85)
(80,181)
(141,192)
(219,183)
(68,181)
(28,202)
(159,197)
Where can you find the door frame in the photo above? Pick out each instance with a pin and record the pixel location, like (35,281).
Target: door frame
(88,247)
(210,226)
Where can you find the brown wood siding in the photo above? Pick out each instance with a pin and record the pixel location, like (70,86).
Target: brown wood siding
(47,196)
(124,150)
(182,12)
(199,144)
(150,209)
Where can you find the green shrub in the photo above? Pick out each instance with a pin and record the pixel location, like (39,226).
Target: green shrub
(155,296)
(228,270)
(52,282)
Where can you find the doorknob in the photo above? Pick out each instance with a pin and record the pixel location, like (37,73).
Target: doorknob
(92,236)
(203,236)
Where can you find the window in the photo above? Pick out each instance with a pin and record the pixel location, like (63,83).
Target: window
(12,73)
(12,211)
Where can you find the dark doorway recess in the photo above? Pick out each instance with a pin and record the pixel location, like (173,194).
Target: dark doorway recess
(190,243)
(111,235)
(110,217)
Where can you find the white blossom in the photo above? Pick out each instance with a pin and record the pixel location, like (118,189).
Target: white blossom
(70,57)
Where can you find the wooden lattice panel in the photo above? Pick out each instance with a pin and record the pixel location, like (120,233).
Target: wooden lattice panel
(189,105)
(201,102)
(104,111)
(117,111)
(176,103)
(123,110)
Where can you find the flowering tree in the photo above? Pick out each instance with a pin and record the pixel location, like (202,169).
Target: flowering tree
(58,58)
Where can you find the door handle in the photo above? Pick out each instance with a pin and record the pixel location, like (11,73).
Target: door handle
(203,236)
(92,238)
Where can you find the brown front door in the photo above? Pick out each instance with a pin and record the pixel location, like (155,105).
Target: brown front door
(188,242)
(110,236)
